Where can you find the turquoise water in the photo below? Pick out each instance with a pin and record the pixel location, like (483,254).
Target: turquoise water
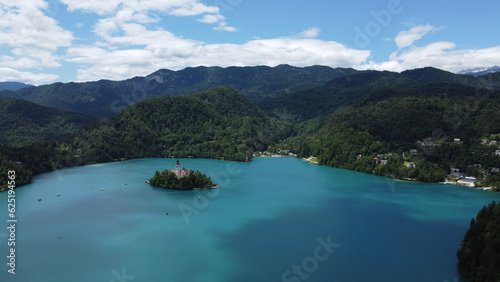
(273,219)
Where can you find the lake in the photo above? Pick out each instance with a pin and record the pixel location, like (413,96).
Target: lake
(273,219)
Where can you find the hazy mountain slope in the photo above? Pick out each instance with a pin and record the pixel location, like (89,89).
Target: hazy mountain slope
(368,86)
(13,86)
(106,98)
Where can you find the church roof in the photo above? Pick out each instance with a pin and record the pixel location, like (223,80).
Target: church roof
(185,172)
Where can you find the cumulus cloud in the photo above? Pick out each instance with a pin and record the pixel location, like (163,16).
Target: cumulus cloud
(441,55)
(406,38)
(223,26)
(10,74)
(174,53)
(128,46)
(146,11)
(312,32)
(173,7)
(32,37)
(211,18)
(143,8)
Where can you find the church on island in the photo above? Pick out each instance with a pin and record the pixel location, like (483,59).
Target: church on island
(178,172)
(184,179)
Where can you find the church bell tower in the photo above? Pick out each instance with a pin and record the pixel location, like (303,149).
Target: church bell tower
(178,169)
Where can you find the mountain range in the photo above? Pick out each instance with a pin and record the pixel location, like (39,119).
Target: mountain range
(106,98)
(262,84)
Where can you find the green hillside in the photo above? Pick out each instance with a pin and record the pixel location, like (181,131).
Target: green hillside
(366,86)
(23,123)
(219,123)
(389,124)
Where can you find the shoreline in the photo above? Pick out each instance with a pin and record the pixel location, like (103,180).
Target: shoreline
(314,160)
(470,185)
(311,159)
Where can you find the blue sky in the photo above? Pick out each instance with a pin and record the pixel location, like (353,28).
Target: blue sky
(44,41)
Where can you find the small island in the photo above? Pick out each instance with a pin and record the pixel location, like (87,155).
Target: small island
(184,179)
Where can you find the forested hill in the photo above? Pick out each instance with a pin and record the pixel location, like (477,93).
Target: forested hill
(366,86)
(106,98)
(219,123)
(23,123)
(407,130)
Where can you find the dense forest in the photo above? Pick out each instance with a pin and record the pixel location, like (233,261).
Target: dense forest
(26,162)
(219,123)
(403,126)
(24,123)
(479,253)
(417,130)
(414,125)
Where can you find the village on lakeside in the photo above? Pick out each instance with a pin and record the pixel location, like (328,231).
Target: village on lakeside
(455,177)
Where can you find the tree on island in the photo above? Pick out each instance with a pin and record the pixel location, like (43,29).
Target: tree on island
(479,253)
(181,180)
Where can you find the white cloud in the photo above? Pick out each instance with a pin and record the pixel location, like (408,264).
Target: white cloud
(171,7)
(440,55)
(10,74)
(223,26)
(26,25)
(145,11)
(408,37)
(18,62)
(155,49)
(98,6)
(128,47)
(192,8)
(211,18)
(312,32)
(32,37)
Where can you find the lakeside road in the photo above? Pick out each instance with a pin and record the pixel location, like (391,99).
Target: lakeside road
(314,160)
(311,159)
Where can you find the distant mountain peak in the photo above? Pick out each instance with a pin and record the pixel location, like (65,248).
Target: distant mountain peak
(480,70)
